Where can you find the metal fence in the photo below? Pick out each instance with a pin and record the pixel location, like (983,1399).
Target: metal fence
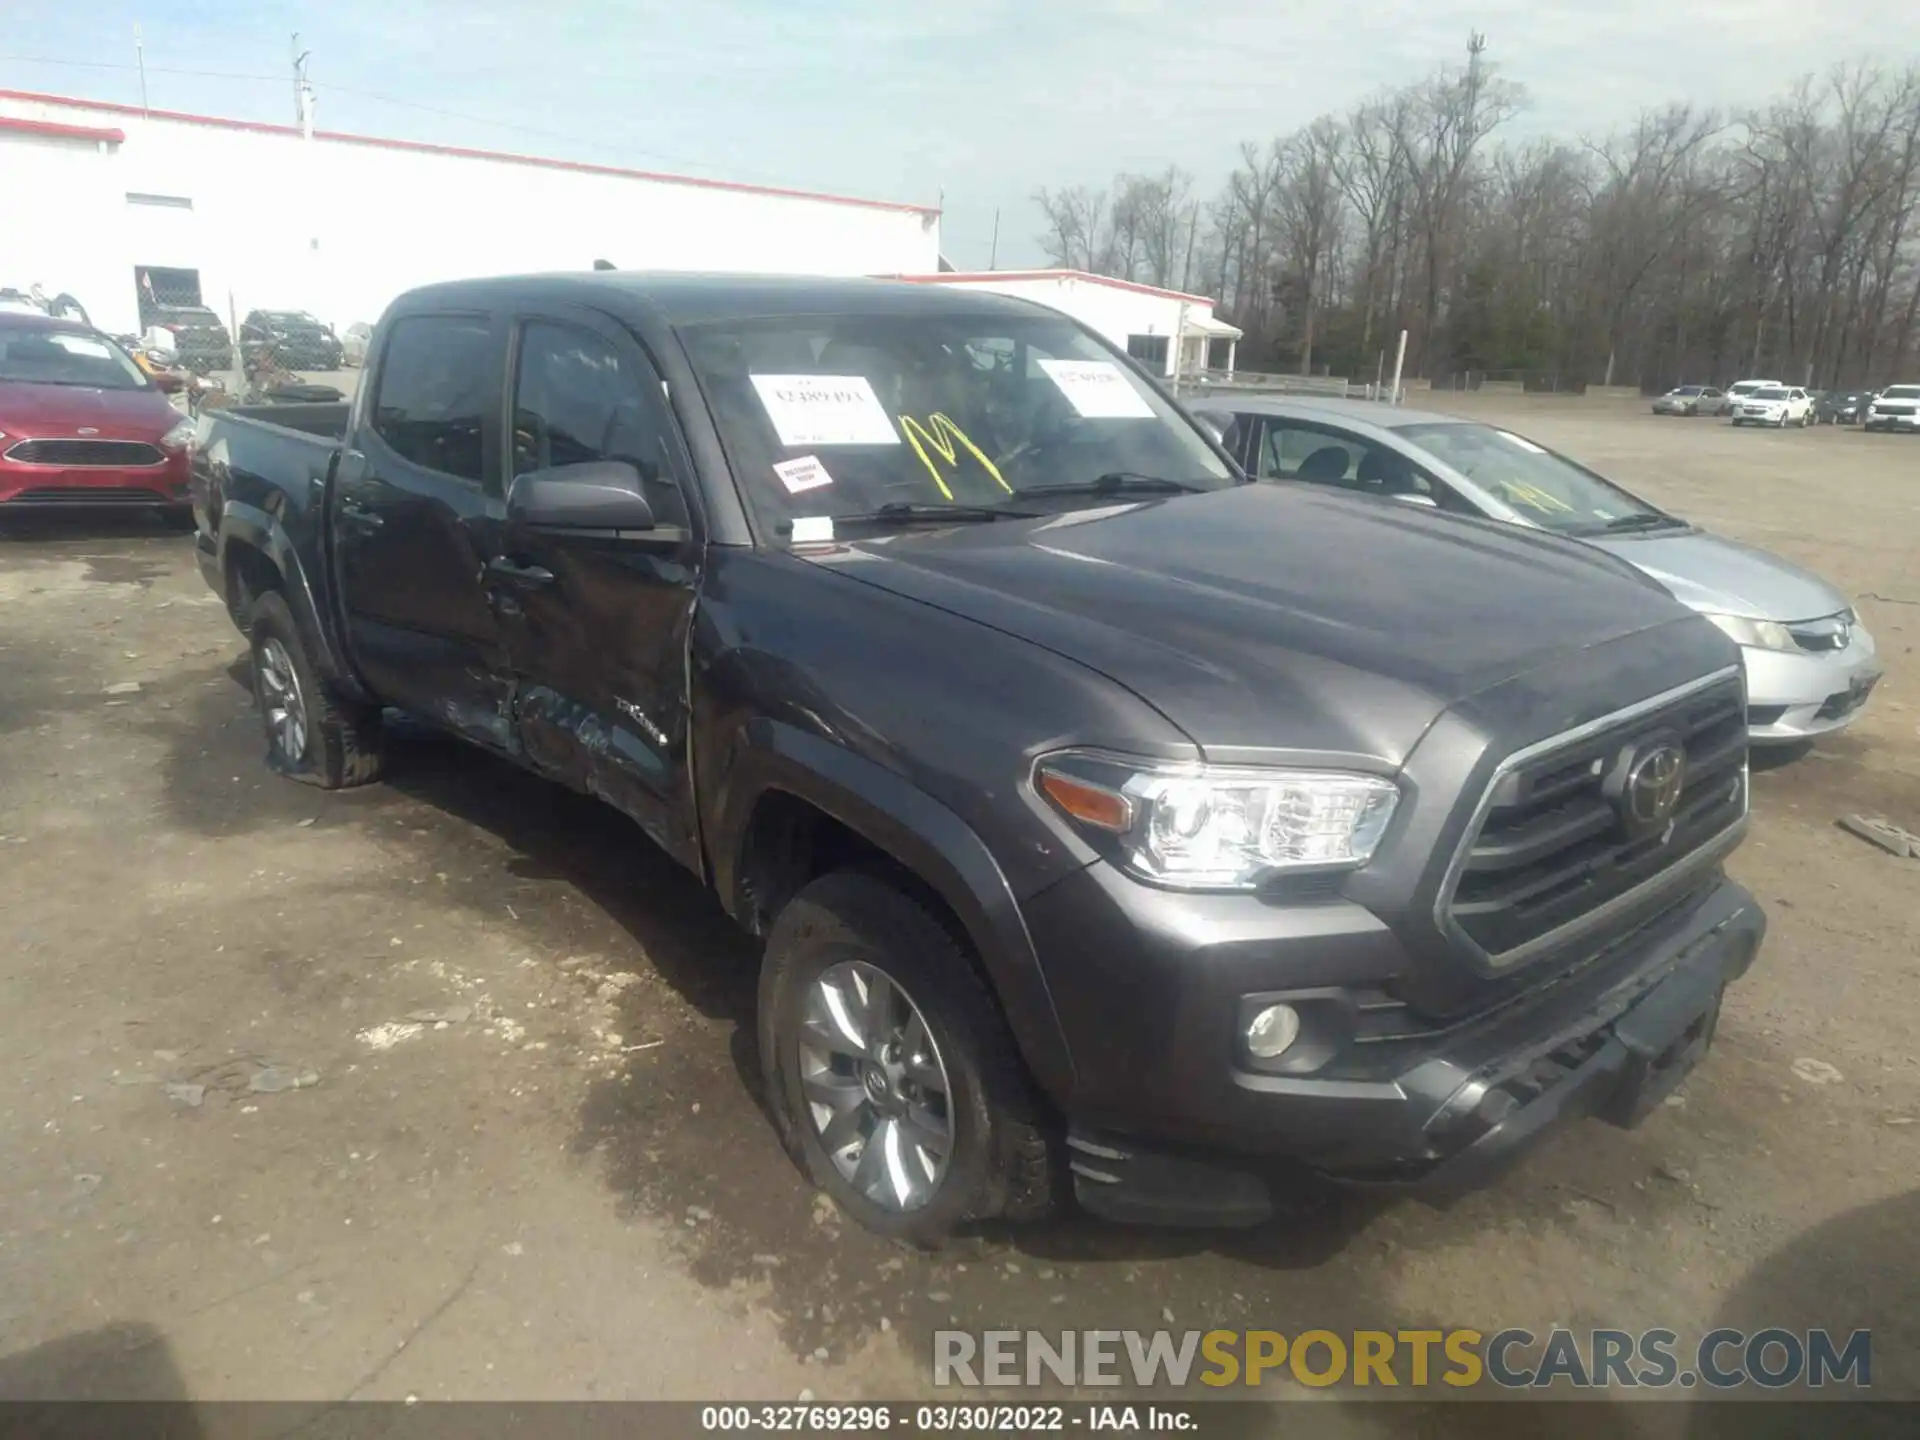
(1241,382)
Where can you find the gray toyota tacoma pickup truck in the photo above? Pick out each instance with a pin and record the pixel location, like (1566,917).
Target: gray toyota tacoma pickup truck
(1117,828)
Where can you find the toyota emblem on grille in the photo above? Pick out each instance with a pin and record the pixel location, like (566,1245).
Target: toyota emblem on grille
(1651,776)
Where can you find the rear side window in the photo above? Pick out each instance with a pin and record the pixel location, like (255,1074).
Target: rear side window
(438,383)
(576,400)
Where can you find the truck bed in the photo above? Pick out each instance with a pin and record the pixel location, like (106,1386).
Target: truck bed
(325,418)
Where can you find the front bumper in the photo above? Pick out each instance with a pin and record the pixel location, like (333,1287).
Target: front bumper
(61,487)
(1172,1125)
(1794,695)
(1892,422)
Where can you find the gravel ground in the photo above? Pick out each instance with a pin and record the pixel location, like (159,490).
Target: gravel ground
(440,1087)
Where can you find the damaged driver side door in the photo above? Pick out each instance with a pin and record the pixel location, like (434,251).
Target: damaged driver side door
(595,620)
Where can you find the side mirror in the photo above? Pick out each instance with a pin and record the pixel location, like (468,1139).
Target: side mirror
(1213,425)
(1426,502)
(595,495)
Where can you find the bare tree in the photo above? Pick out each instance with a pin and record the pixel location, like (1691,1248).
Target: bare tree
(1684,247)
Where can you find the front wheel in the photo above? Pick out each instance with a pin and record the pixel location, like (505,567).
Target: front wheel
(890,1069)
(313,735)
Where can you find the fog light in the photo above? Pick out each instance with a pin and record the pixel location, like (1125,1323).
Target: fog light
(1272,1030)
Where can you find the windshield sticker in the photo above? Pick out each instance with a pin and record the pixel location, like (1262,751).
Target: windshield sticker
(806,473)
(1097,390)
(946,440)
(824,410)
(1524,444)
(81,345)
(812,529)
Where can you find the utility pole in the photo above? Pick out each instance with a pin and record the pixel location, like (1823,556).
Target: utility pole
(140,61)
(302,91)
(993,251)
(1399,359)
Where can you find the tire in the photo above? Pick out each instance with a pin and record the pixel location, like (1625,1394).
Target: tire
(313,735)
(999,1161)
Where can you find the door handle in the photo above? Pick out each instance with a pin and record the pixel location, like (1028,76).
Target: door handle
(357,515)
(525,577)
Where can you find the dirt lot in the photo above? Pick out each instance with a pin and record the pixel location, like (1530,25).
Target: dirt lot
(554,1181)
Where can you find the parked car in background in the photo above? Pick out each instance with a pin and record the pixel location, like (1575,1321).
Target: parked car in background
(199,339)
(1111,822)
(1739,391)
(1775,405)
(82,425)
(1842,407)
(1895,408)
(1810,662)
(297,340)
(1689,400)
(353,343)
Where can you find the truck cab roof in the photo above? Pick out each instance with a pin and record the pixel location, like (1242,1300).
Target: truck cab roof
(692,298)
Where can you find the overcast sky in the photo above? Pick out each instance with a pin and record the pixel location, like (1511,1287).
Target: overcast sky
(983,100)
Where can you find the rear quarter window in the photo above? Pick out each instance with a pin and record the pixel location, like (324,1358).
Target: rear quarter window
(438,385)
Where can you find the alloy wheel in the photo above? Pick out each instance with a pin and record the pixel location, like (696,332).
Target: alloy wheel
(281,701)
(875,1086)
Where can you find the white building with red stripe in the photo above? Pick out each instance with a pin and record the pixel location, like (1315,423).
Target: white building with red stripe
(1141,319)
(253,215)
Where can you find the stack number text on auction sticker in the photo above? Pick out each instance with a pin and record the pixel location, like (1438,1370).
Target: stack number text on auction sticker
(1097,390)
(825,410)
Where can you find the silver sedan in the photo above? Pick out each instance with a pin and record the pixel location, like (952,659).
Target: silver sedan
(1691,400)
(1810,662)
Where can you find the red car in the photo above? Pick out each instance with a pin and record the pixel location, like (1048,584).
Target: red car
(81,425)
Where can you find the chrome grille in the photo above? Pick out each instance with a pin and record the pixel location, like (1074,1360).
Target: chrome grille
(82,454)
(1548,856)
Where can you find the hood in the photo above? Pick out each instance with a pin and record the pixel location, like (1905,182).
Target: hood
(1724,577)
(1268,615)
(52,411)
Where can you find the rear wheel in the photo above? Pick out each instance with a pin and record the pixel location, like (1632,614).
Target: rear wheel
(891,1072)
(313,735)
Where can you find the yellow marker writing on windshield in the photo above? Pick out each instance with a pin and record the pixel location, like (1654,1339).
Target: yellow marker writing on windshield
(946,440)
(1534,497)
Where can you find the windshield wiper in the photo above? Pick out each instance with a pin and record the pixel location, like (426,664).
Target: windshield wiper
(905,512)
(1116,481)
(1647,520)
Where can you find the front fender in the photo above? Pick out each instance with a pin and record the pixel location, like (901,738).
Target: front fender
(244,524)
(926,837)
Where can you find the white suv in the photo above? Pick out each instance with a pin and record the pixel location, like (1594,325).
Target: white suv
(1895,408)
(1776,405)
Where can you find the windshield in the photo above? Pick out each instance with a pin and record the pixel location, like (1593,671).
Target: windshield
(35,355)
(1901,392)
(1745,387)
(826,416)
(1768,394)
(1686,390)
(1549,489)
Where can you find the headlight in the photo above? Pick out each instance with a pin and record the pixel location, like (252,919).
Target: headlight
(1197,827)
(180,436)
(1760,634)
